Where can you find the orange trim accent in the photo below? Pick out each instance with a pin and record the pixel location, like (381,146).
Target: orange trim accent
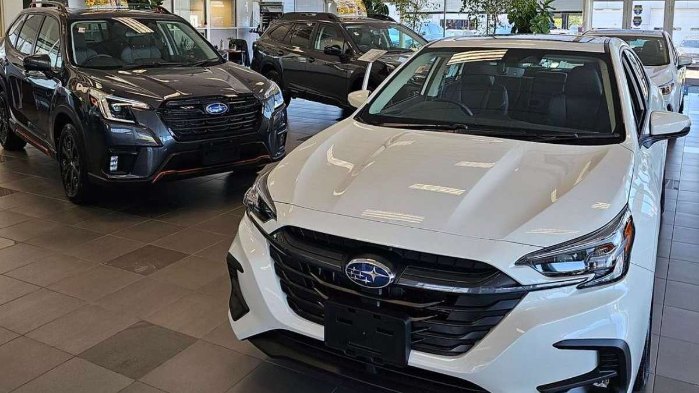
(190,171)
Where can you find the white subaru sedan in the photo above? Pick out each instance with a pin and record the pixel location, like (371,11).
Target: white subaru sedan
(486,222)
(664,65)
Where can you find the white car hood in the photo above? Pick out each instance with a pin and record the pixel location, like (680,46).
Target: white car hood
(660,75)
(480,187)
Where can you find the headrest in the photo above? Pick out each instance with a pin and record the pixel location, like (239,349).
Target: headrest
(477,80)
(584,81)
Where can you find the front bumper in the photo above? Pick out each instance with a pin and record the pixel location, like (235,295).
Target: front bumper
(148,152)
(521,347)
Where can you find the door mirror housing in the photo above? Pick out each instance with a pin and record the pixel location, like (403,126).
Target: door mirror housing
(358,98)
(667,125)
(333,50)
(684,61)
(40,63)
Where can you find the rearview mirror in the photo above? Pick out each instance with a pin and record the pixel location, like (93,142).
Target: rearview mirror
(667,125)
(40,63)
(684,61)
(358,98)
(333,50)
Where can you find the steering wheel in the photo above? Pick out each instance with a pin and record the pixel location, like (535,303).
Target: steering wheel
(461,106)
(94,57)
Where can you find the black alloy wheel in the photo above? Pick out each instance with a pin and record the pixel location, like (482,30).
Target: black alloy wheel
(8,139)
(71,162)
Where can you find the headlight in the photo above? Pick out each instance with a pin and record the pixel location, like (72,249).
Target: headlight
(602,257)
(666,89)
(115,108)
(273,98)
(258,201)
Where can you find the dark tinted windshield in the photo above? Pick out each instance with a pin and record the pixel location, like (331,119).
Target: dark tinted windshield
(391,37)
(132,43)
(652,51)
(518,93)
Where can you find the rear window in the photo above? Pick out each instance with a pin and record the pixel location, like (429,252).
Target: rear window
(652,51)
(279,32)
(301,35)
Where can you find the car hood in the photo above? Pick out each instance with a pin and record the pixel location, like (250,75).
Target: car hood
(154,85)
(480,187)
(660,75)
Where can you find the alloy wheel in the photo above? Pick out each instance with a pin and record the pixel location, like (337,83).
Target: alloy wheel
(70,165)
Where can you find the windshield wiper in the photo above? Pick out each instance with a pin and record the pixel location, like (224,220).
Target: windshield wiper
(573,136)
(207,62)
(453,127)
(151,65)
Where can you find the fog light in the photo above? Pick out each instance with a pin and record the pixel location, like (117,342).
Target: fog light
(113,163)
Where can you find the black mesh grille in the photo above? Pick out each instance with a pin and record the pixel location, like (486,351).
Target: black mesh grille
(188,119)
(310,267)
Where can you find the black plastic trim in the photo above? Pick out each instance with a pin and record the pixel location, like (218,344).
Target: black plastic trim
(621,373)
(236,304)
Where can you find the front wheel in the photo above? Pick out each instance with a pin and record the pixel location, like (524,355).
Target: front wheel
(71,160)
(8,139)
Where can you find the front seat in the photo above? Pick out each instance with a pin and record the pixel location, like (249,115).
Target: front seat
(582,105)
(141,50)
(480,94)
(81,51)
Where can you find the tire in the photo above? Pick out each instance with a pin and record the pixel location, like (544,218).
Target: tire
(644,368)
(8,139)
(72,163)
(274,76)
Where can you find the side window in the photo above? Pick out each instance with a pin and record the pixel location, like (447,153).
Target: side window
(49,42)
(328,35)
(13,32)
(640,74)
(279,33)
(638,101)
(301,35)
(27,36)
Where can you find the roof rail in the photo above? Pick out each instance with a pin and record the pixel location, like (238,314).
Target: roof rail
(381,17)
(58,4)
(309,15)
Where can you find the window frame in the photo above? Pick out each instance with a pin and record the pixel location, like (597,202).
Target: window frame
(635,91)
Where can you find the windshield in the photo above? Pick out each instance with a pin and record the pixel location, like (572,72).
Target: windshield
(138,43)
(512,93)
(651,50)
(690,43)
(386,36)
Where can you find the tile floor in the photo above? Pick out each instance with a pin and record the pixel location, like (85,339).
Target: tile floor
(130,295)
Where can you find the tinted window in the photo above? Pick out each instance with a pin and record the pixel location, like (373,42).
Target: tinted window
(638,100)
(328,35)
(27,36)
(13,32)
(49,42)
(301,35)
(279,32)
(391,37)
(653,51)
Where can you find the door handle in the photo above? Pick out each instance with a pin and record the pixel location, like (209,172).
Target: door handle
(311,59)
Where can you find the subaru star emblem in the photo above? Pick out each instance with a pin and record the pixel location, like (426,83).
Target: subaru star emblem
(369,273)
(216,108)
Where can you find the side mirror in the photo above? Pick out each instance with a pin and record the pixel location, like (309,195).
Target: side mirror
(684,61)
(358,98)
(667,125)
(40,63)
(333,50)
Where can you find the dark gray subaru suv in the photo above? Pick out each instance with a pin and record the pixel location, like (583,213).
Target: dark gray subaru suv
(131,96)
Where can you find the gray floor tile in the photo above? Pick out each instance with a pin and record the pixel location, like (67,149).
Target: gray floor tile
(35,309)
(8,218)
(194,315)
(684,271)
(110,223)
(11,289)
(139,387)
(77,376)
(19,255)
(95,283)
(24,359)
(218,251)
(678,360)
(81,329)
(225,224)
(668,385)
(137,350)
(680,324)
(687,220)
(203,367)
(685,251)
(688,207)
(103,249)
(192,272)
(223,335)
(686,235)
(149,231)
(147,259)
(50,269)
(661,267)
(189,240)
(664,246)
(28,229)
(143,297)
(269,378)
(6,335)
(63,237)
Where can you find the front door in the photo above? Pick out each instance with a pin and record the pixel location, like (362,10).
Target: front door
(331,72)
(295,58)
(44,86)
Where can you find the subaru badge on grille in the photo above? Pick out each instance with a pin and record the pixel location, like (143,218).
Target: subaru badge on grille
(369,273)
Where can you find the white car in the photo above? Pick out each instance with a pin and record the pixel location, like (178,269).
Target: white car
(690,47)
(487,222)
(665,66)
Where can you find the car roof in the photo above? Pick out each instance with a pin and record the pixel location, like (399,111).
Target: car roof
(97,13)
(625,32)
(549,42)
